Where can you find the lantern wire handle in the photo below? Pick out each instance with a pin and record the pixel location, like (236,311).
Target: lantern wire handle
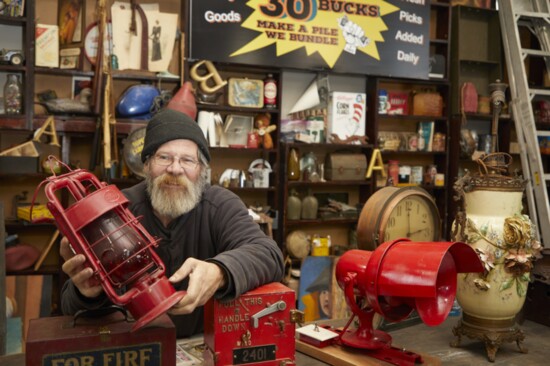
(49,160)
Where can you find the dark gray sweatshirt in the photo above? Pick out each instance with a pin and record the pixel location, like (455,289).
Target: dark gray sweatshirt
(218,230)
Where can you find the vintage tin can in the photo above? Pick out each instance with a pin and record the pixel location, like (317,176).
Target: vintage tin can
(393,171)
(257,328)
(417,174)
(404,174)
(439,180)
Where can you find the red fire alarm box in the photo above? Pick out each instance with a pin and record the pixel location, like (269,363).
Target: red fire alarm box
(105,340)
(256,328)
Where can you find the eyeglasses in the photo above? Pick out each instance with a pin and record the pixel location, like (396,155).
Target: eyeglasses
(186,163)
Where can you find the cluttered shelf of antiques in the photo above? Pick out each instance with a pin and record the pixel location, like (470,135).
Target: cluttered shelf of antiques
(22,233)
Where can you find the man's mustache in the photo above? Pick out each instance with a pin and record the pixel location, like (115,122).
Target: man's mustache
(172,180)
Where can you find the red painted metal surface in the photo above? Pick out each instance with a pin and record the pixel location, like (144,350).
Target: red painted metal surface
(254,329)
(117,247)
(398,277)
(100,340)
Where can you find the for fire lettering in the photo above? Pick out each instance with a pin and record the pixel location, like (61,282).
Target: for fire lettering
(74,361)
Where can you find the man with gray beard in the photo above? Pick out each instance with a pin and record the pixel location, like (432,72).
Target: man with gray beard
(208,242)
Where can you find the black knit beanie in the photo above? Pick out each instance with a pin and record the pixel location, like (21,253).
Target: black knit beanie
(168,125)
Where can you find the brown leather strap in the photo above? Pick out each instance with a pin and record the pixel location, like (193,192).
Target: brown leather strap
(133,26)
(144,39)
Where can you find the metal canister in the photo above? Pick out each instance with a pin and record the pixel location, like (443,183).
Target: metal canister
(405,174)
(393,171)
(417,174)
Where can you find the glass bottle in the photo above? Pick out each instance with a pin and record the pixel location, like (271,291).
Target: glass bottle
(13,95)
(293,168)
(421,140)
(270,92)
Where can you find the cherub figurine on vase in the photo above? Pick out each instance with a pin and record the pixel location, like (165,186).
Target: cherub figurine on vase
(263,128)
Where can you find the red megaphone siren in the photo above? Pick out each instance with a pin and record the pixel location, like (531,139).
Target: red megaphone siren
(398,277)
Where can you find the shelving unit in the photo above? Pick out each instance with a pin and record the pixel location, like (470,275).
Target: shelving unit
(356,191)
(408,123)
(476,51)
(477,58)
(75,132)
(25,25)
(440,33)
(240,158)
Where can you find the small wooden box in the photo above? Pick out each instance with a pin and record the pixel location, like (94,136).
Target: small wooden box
(106,340)
(345,166)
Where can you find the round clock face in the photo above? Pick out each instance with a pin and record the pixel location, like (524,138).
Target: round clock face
(91,40)
(413,218)
(393,213)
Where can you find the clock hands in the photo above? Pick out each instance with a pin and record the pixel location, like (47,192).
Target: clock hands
(416,232)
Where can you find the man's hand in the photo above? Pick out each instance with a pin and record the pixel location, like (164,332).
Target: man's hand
(205,279)
(81,275)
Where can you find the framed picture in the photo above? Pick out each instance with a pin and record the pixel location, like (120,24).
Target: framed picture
(12,8)
(247,93)
(80,83)
(69,58)
(70,17)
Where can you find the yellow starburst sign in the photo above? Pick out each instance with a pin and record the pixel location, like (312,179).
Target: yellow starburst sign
(328,27)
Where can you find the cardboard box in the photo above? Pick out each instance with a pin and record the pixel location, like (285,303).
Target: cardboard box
(398,103)
(347,114)
(105,340)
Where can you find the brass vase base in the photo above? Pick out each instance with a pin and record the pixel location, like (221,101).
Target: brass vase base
(492,332)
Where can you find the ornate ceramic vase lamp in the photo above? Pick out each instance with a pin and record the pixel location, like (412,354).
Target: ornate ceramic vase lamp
(490,220)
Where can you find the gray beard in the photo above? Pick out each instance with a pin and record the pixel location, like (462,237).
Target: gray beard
(173,203)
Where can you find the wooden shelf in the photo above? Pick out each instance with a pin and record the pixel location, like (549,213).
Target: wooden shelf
(229,109)
(43,270)
(321,221)
(410,117)
(4,19)
(328,183)
(251,189)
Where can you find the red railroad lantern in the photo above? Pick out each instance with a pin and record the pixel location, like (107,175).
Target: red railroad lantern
(117,247)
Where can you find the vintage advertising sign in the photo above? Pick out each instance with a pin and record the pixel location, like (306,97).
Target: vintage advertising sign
(374,37)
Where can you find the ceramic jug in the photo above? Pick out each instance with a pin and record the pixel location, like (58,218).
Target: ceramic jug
(294,206)
(309,207)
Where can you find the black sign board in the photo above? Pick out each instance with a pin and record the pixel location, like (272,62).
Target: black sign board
(373,37)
